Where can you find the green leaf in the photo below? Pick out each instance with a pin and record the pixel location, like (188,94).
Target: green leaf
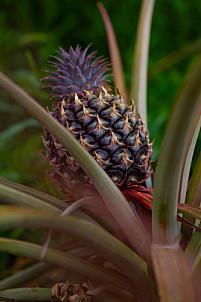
(183,121)
(26,294)
(193,197)
(11,195)
(113,198)
(190,210)
(17,194)
(34,193)
(140,62)
(193,251)
(34,271)
(65,260)
(24,276)
(194,191)
(188,160)
(93,236)
(117,67)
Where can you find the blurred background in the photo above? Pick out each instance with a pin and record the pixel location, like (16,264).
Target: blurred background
(30,31)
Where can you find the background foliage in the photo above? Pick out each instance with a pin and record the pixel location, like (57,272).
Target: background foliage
(32,30)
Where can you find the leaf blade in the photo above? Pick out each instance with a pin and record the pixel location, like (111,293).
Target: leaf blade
(140,62)
(114,200)
(58,258)
(26,294)
(183,120)
(117,66)
(93,236)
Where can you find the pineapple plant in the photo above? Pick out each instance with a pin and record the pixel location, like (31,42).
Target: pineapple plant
(93,136)
(110,130)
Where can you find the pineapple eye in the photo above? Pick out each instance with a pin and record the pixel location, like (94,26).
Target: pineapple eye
(110,139)
(105,140)
(142,136)
(75,127)
(119,124)
(102,153)
(89,139)
(98,104)
(120,155)
(85,116)
(117,175)
(130,139)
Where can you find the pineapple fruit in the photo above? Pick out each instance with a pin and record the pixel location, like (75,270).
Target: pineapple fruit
(110,130)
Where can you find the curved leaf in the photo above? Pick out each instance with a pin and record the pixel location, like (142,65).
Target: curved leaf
(114,200)
(14,196)
(26,275)
(72,263)
(117,67)
(193,197)
(26,294)
(34,271)
(194,190)
(193,250)
(93,236)
(188,160)
(35,193)
(140,62)
(190,210)
(180,130)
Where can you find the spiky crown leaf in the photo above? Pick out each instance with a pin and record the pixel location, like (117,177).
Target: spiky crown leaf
(76,72)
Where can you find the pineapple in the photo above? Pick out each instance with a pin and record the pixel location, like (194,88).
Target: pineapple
(110,130)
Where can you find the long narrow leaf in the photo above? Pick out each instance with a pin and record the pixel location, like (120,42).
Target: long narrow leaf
(193,197)
(11,195)
(140,63)
(183,120)
(34,271)
(93,236)
(114,200)
(188,159)
(117,67)
(194,191)
(26,294)
(41,294)
(18,194)
(24,276)
(34,193)
(72,263)
(193,250)
(190,210)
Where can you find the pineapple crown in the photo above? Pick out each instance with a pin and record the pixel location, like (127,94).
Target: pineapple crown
(76,72)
